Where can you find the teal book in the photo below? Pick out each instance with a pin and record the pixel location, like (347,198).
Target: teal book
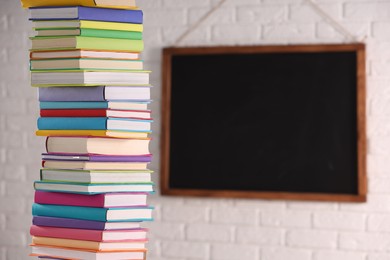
(93,123)
(95,214)
(70,105)
(72,123)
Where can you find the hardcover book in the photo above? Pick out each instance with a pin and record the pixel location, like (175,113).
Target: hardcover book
(138,234)
(99,93)
(47,78)
(97,3)
(128,105)
(96,188)
(87,32)
(48,252)
(93,123)
(96,157)
(66,174)
(94,133)
(129,114)
(83,224)
(98,166)
(87,43)
(85,13)
(92,213)
(85,64)
(89,245)
(86,24)
(105,200)
(97,145)
(77,53)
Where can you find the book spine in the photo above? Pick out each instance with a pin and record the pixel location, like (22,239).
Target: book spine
(71,105)
(86,213)
(46,140)
(73,112)
(69,199)
(111,34)
(37,3)
(72,123)
(111,15)
(64,242)
(112,26)
(108,158)
(107,44)
(68,223)
(56,232)
(71,94)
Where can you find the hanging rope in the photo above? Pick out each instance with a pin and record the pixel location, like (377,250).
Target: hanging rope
(338,26)
(199,22)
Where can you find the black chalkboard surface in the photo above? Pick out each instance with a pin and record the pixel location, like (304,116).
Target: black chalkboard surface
(278,122)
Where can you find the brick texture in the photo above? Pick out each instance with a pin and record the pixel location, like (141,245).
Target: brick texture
(217,229)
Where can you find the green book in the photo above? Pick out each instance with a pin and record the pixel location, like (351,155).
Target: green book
(87,32)
(86,43)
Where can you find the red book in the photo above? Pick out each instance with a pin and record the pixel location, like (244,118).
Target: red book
(139,114)
(138,234)
(104,200)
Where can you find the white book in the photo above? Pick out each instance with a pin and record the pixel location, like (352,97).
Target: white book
(97,145)
(80,165)
(85,63)
(83,254)
(92,188)
(89,78)
(83,54)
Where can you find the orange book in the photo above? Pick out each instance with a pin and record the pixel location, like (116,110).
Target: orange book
(120,4)
(90,245)
(68,253)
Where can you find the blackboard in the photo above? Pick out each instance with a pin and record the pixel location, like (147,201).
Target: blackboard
(273,122)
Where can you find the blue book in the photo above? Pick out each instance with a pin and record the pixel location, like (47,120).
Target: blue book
(95,214)
(93,123)
(95,105)
(86,13)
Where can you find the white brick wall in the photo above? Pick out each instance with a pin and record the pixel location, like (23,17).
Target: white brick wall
(217,229)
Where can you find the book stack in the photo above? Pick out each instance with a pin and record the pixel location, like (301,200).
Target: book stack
(94,93)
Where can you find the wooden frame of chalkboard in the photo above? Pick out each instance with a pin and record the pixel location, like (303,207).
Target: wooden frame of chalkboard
(218,141)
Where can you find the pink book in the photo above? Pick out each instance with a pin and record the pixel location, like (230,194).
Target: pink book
(90,235)
(105,200)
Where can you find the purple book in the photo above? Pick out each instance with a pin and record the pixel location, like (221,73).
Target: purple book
(82,224)
(96,158)
(71,94)
(47,257)
(94,94)
(89,13)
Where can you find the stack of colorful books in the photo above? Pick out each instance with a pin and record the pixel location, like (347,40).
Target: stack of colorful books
(94,94)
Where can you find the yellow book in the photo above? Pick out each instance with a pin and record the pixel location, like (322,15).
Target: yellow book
(97,133)
(120,4)
(53,24)
(91,245)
